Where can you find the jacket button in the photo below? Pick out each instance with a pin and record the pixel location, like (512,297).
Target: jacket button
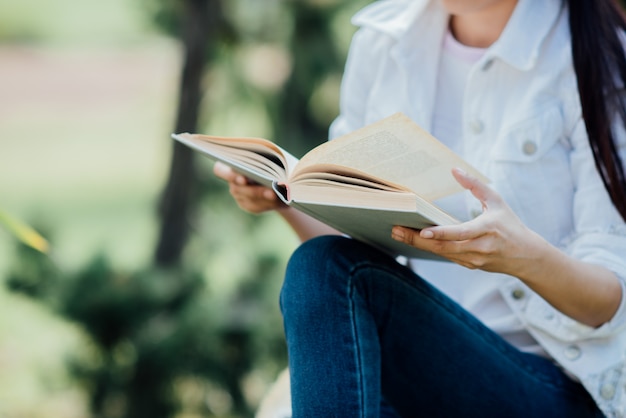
(529,147)
(518,294)
(572,352)
(607,391)
(476,126)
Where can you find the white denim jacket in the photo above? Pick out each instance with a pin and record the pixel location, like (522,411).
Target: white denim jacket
(523,129)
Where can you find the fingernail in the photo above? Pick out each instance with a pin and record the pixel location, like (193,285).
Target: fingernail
(397,234)
(425,233)
(461,171)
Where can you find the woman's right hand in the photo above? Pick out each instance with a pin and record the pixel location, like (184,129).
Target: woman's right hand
(250,196)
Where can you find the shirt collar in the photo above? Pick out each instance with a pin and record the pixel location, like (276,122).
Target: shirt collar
(520,42)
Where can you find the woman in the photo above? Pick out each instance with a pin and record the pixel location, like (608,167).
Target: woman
(528,318)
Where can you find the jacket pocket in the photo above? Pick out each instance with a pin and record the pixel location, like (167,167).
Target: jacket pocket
(531,139)
(530,167)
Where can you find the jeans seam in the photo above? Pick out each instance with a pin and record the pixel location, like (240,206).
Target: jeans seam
(359,372)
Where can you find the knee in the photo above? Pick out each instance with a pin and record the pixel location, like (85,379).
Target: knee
(311,254)
(308,280)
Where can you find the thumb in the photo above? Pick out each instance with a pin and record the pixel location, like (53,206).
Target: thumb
(480,190)
(223,171)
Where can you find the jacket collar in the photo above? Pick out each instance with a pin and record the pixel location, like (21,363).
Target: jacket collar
(391,17)
(520,42)
(530,24)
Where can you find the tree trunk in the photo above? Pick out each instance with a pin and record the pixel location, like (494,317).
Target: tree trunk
(200,17)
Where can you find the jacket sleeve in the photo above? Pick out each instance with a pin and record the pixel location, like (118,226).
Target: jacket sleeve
(600,232)
(599,238)
(358,78)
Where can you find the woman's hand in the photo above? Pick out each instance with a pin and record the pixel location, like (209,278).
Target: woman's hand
(495,241)
(250,196)
(498,241)
(254,198)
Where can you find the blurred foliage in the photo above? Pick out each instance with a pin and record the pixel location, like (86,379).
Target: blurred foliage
(275,61)
(153,329)
(163,341)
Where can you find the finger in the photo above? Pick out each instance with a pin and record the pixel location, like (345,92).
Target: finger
(413,238)
(224,172)
(242,180)
(471,253)
(479,189)
(252,192)
(255,199)
(425,239)
(462,232)
(406,235)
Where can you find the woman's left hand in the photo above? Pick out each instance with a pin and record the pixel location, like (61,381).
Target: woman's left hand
(495,241)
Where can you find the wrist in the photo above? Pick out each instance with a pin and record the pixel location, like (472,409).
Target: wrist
(537,260)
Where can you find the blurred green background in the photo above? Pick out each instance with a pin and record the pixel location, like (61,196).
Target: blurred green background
(157,298)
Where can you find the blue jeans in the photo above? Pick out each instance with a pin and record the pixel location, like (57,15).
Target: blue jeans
(368,338)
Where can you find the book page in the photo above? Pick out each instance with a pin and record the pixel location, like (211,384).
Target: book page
(396,150)
(258,159)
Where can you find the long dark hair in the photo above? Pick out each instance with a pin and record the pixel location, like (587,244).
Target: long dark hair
(600,64)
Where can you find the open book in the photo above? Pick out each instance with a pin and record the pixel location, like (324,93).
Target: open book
(387,173)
